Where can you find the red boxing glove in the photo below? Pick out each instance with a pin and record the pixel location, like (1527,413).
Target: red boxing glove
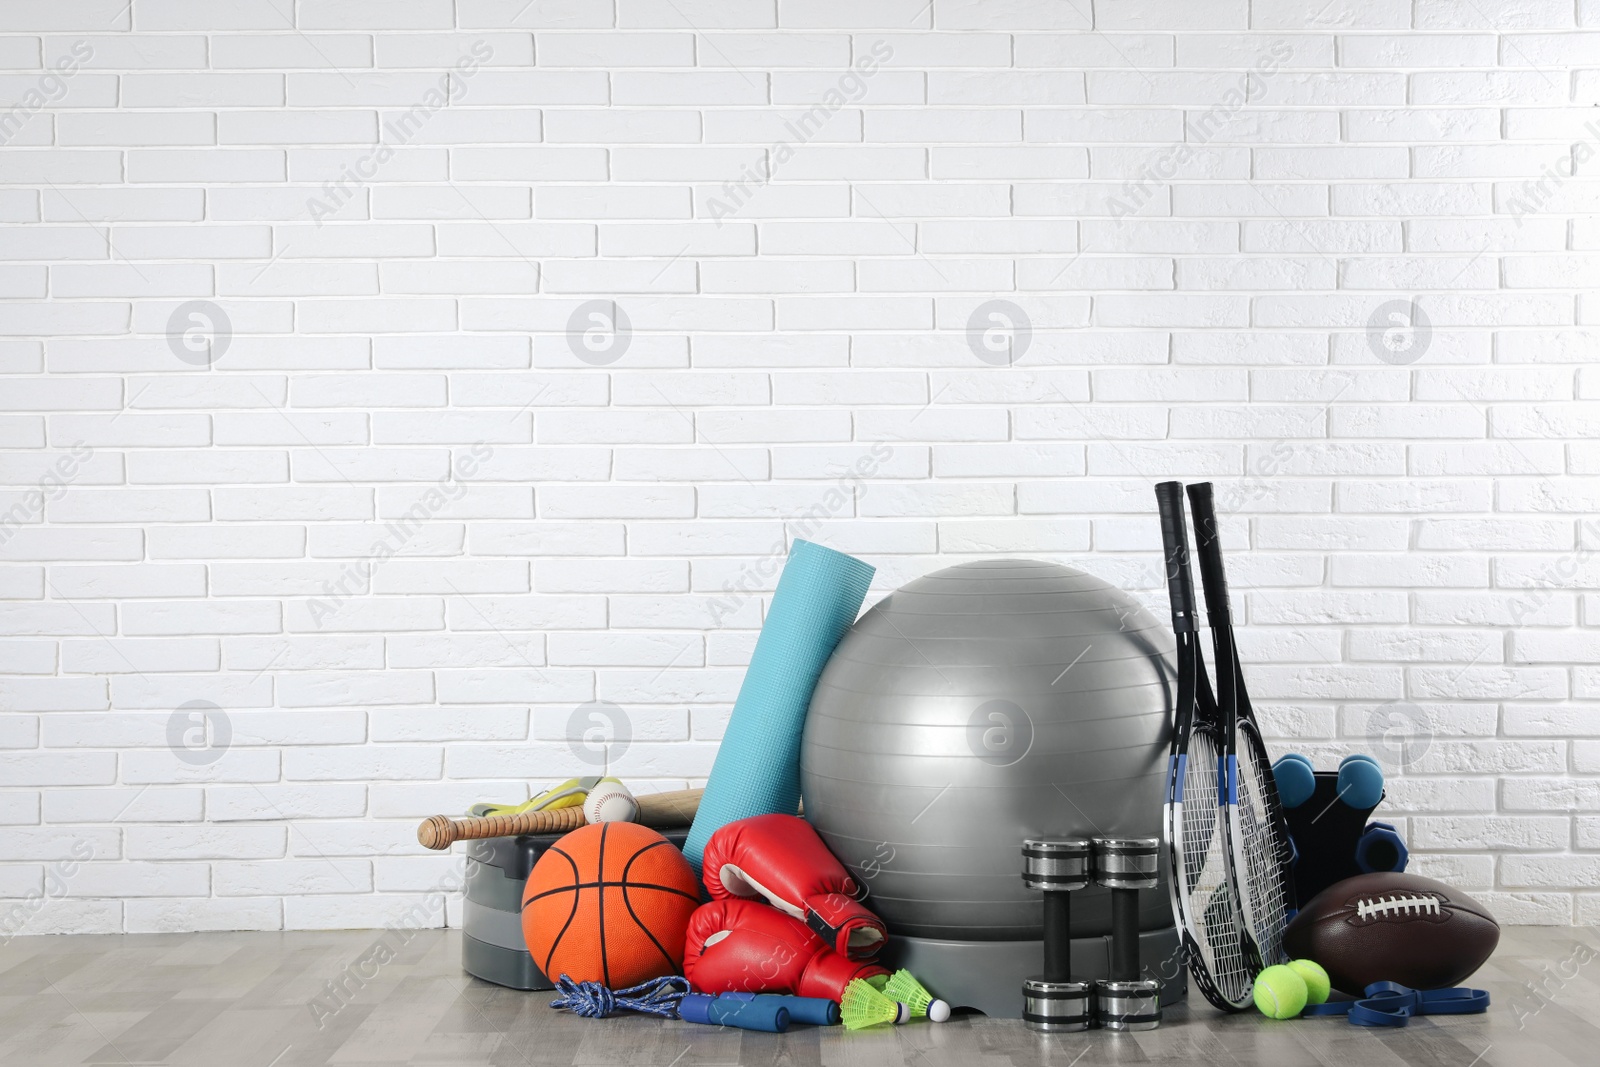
(781,858)
(743,946)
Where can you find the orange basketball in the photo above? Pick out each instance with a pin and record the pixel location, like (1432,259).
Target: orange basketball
(609,903)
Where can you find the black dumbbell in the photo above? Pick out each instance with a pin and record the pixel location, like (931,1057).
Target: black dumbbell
(1053,1001)
(1125,865)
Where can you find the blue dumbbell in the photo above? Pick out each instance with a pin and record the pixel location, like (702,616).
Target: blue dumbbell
(1360,782)
(1296,779)
(1380,849)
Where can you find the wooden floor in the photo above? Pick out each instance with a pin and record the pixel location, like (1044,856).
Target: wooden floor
(251,1000)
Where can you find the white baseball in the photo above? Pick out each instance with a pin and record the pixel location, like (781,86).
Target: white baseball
(610,802)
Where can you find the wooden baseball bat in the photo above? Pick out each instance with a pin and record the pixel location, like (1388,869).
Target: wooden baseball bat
(657,810)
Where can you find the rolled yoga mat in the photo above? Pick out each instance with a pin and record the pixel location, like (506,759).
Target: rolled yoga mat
(757,771)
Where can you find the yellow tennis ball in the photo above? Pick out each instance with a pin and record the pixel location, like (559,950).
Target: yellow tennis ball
(1280,993)
(1315,978)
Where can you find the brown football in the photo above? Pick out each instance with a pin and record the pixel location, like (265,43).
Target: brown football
(1389,927)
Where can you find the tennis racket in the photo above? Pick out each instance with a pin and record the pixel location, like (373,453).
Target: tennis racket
(1259,850)
(1203,906)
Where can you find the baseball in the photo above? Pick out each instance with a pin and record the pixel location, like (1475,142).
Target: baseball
(610,801)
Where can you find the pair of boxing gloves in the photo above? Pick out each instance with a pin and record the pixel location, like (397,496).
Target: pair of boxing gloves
(784,914)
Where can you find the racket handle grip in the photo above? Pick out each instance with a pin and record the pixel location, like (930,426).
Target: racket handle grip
(1207,542)
(1175,539)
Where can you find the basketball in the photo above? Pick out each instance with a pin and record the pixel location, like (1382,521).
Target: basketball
(609,903)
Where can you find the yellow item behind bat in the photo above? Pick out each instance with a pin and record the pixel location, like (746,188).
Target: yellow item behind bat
(568,794)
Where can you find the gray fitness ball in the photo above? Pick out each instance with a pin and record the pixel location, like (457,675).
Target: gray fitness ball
(980,705)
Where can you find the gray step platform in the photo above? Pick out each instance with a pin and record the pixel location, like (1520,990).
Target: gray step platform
(988,975)
(497,869)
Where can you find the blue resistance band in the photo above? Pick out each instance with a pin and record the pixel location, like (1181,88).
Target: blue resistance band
(1392,1004)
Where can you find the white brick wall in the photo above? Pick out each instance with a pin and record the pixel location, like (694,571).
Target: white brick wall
(410,516)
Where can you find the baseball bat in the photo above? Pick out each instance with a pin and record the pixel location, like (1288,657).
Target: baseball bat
(658,810)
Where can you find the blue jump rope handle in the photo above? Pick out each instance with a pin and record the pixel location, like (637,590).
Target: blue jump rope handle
(729,1011)
(817,1011)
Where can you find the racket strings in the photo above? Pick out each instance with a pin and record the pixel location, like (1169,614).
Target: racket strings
(1214,916)
(1267,906)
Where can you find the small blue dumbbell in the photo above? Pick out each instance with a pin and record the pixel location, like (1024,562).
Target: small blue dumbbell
(1296,779)
(1380,849)
(1360,781)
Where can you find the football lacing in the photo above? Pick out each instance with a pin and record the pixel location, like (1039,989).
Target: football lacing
(1399,904)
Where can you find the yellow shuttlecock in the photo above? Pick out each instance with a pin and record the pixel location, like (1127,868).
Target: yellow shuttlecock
(864,1006)
(904,987)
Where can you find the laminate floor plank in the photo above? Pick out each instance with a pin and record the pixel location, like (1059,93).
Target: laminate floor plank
(385,999)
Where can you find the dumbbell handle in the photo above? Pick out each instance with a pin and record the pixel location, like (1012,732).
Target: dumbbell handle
(1058,937)
(1124,935)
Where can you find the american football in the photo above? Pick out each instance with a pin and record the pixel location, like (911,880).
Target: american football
(1387,927)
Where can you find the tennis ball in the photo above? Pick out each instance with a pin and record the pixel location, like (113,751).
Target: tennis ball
(1315,978)
(1280,993)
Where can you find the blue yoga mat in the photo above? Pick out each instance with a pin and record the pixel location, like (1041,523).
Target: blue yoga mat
(757,771)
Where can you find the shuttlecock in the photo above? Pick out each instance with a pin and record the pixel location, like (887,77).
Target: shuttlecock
(864,1006)
(904,987)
